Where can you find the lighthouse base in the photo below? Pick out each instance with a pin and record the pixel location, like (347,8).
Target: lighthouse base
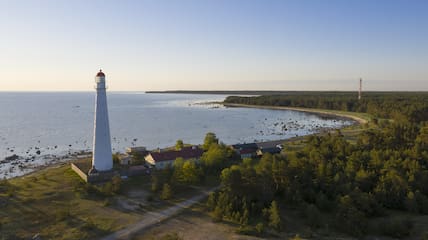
(90,174)
(101,176)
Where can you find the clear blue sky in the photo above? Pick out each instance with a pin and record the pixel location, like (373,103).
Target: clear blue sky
(214,45)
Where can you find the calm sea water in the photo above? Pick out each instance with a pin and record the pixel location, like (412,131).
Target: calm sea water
(57,124)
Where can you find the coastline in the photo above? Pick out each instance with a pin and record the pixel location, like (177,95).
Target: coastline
(358,117)
(360,120)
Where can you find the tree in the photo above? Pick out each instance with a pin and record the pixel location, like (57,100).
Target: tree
(179,145)
(231,179)
(211,202)
(245,217)
(191,173)
(274,216)
(116,159)
(178,169)
(349,219)
(186,172)
(166,192)
(161,176)
(210,139)
(391,189)
(215,158)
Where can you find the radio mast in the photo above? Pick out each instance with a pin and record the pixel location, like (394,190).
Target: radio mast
(360,89)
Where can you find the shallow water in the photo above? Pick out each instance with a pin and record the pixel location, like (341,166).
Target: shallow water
(58,124)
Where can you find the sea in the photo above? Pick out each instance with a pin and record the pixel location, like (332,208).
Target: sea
(41,128)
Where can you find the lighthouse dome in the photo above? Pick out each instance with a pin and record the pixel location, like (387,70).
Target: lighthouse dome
(100,74)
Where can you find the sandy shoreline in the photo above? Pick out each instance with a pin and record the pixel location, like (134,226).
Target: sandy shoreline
(360,120)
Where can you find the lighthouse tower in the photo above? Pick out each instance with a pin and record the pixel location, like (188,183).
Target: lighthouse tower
(102,157)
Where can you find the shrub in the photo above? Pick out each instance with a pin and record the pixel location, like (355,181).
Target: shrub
(274,217)
(171,236)
(297,237)
(260,228)
(166,192)
(89,225)
(107,202)
(218,214)
(116,159)
(211,202)
(107,189)
(116,182)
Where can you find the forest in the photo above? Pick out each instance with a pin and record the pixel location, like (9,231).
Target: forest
(400,106)
(384,171)
(331,182)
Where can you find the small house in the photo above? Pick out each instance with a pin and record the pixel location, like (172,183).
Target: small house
(137,151)
(271,150)
(162,159)
(246,150)
(272,147)
(125,159)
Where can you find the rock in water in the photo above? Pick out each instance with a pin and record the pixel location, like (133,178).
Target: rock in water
(11,158)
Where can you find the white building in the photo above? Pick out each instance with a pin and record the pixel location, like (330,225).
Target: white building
(102,155)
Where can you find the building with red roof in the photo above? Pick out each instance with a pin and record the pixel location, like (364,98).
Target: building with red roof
(161,159)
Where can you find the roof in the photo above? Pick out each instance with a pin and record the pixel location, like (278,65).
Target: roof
(270,144)
(272,150)
(245,146)
(100,74)
(136,149)
(247,151)
(185,153)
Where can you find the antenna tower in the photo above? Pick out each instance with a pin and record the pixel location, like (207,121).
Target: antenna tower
(360,89)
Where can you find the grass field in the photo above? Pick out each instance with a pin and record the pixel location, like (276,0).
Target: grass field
(46,203)
(51,203)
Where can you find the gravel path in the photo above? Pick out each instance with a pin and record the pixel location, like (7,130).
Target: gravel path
(154,217)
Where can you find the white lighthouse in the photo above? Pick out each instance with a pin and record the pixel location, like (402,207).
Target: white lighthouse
(102,156)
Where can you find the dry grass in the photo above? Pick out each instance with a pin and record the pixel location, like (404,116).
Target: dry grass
(50,202)
(47,203)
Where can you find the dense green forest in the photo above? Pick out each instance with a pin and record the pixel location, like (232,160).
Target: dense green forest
(385,170)
(333,183)
(401,106)
(330,175)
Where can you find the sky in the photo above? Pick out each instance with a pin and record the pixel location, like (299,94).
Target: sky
(142,45)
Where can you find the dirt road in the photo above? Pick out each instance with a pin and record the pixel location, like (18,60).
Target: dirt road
(154,217)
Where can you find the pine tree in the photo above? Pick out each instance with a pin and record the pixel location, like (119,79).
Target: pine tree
(211,202)
(274,217)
